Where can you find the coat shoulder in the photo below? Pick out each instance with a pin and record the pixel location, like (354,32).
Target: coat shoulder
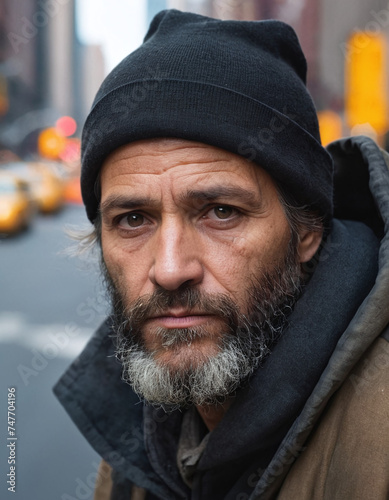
(347,455)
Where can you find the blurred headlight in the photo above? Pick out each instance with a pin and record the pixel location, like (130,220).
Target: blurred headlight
(5,211)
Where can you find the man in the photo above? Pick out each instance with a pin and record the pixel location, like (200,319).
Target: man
(249,286)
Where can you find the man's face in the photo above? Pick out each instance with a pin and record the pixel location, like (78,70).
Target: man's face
(190,233)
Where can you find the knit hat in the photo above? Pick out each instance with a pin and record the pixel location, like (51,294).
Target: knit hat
(237,85)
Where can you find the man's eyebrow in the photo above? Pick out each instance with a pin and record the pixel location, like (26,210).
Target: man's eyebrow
(222,192)
(125,202)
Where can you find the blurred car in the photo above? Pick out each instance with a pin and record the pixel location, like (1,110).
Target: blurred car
(17,206)
(47,187)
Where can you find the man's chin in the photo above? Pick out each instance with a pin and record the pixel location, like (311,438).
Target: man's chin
(182,376)
(184,358)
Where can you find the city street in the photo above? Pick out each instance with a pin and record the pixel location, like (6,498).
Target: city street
(49,306)
(237,153)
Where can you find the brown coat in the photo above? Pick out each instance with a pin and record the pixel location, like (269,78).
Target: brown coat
(347,454)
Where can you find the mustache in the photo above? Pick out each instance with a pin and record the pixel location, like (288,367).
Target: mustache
(188,298)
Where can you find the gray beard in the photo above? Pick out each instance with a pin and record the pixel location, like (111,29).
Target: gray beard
(244,343)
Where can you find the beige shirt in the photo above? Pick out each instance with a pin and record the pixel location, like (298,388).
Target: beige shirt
(191,445)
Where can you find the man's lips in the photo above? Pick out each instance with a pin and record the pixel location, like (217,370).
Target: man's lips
(179,319)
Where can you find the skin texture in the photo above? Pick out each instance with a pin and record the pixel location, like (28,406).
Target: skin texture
(177,212)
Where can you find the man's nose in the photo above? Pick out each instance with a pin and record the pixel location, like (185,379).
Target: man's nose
(177,257)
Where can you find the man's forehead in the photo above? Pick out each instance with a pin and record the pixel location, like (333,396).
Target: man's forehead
(182,160)
(143,172)
(182,150)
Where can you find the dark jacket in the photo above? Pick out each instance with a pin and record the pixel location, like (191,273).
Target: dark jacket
(313,423)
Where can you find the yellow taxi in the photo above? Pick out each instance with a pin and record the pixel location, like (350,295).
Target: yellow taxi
(17,206)
(50,189)
(47,187)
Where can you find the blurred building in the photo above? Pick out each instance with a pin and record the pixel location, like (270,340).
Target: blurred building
(303,15)
(21,61)
(45,72)
(338,21)
(61,56)
(324,28)
(92,72)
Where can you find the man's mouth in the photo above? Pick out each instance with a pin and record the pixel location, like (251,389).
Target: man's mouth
(179,319)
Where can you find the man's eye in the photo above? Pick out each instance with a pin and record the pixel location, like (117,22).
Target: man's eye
(132,220)
(222,212)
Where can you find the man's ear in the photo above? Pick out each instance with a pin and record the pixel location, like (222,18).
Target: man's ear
(308,245)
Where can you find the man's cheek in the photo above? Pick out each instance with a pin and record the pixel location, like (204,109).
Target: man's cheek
(119,280)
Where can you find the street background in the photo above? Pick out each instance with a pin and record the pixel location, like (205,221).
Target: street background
(43,295)
(53,56)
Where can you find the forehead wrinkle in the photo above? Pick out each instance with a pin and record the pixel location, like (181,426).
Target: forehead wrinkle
(121,167)
(203,154)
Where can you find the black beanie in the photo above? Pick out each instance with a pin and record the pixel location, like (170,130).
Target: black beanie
(237,85)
